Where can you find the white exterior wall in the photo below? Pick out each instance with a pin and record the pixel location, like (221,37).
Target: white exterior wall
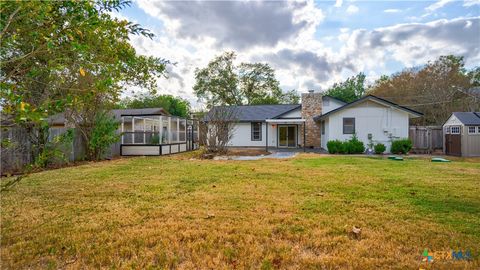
(370,117)
(242,136)
(325,137)
(330,104)
(139,150)
(297,113)
(453,121)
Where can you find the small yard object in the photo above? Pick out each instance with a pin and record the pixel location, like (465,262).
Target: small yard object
(440,160)
(395,158)
(356,233)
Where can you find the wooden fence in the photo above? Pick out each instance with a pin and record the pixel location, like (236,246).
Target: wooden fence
(16,148)
(426,139)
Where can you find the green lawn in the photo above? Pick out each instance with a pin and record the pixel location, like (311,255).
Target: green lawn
(174,212)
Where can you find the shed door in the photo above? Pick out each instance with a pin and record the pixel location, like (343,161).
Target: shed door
(453,144)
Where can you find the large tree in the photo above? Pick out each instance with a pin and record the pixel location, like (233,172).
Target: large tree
(174,105)
(223,82)
(68,56)
(351,89)
(437,89)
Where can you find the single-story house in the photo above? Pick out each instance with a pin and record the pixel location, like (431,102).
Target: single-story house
(462,134)
(319,119)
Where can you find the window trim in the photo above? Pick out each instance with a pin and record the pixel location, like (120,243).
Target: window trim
(474,130)
(323,127)
(252,131)
(343,125)
(459,130)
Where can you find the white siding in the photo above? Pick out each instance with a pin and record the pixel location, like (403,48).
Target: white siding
(297,113)
(453,121)
(242,136)
(138,150)
(330,104)
(370,117)
(325,137)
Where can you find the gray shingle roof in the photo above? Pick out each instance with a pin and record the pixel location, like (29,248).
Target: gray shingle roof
(468,118)
(250,113)
(59,118)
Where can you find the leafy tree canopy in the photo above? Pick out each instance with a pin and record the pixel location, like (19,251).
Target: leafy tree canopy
(174,105)
(350,90)
(68,56)
(57,55)
(223,82)
(436,89)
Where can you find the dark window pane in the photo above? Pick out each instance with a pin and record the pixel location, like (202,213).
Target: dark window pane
(256,131)
(348,125)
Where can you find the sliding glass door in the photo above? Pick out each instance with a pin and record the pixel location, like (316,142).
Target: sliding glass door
(287,135)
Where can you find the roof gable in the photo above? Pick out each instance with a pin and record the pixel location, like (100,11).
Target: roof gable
(372,98)
(335,99)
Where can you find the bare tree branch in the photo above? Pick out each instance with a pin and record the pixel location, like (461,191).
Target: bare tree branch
(9,21)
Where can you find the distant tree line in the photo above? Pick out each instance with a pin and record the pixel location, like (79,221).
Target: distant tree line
(174,105)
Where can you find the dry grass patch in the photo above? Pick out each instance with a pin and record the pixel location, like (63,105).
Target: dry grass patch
(173,212)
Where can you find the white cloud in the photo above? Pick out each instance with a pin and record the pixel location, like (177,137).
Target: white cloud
(338,3)
(415,43)
(392,10)
(437,5)
(236,24)
(301,59)
(469,3)
(352,9)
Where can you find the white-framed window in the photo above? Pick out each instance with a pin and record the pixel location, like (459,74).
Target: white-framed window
(256,134)
(472,130)
(455,130)
(478,129)
(447,130)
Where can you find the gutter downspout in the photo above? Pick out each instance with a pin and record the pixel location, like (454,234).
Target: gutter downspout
(304,135)
(266,136)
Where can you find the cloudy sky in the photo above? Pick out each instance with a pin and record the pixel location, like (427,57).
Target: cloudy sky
(310,44)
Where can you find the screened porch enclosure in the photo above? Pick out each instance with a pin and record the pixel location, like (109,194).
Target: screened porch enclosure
(146,135)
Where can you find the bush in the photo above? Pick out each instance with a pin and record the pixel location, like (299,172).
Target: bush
(379,148)
(402,146)
(55,151)
(334,146)
(352,146)
(104,134)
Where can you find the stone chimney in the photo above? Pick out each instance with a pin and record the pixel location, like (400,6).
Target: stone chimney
(312,106)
